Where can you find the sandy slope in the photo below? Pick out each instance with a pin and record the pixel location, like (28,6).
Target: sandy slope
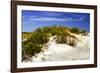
(59,52)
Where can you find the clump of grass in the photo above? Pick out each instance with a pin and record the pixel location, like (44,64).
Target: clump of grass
(75,30)
(26,35)
(61,39)
(30,49)
(33,45)
(83,32)
(72,42)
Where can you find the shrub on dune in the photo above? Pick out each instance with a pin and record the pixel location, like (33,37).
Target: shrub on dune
(83,32)
(75,30)
(39,37)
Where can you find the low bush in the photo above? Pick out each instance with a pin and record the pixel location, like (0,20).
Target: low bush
(75,30)
(83,32)
(30,49)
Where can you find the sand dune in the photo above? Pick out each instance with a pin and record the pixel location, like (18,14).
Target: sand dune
(60,52)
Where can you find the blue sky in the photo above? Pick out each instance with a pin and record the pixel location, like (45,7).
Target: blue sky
(32,20)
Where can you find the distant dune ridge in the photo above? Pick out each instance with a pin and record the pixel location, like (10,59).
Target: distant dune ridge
(55,43)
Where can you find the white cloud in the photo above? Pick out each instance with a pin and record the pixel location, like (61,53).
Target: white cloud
(35,18)
(49,19)
(53,14)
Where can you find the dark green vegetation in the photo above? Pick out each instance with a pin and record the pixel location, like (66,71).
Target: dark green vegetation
(75,30)
(32,42)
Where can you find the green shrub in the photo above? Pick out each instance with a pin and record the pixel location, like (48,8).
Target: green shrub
(26,35)
(29,48)
(34,44)
(83,32)
(75,30)
(39,38)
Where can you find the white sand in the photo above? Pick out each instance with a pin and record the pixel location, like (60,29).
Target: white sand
(61,52)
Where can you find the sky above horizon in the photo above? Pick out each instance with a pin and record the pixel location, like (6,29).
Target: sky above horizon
(31,20)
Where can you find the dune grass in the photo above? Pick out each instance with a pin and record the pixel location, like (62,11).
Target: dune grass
(34,41)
